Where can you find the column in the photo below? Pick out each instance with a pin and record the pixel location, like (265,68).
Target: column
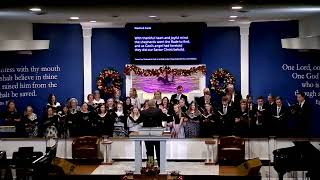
(87,79)
(244,63)
(138,156)
(163,157)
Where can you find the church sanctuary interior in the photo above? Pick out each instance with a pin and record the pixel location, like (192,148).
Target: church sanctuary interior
(165,89)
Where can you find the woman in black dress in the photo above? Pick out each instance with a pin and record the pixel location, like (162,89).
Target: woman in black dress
(13,118)
(165,104)
(157,98)
(87,121)
(73,124)
(192,121)
(120,122)
(145,105)
(62,129)
(53,103)
(117,95)
(177,124)
(91,105)
(183,106)
(110,105)
(127,106)
(30,121)
(134,121)
(50,124)
(209,121)
(104,122)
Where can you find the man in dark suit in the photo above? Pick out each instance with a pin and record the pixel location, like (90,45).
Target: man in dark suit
(205,99)
(152,117)
(235,97)
(176,97)
(301,112)
(271,102)
(226,113)
(261,116)
(279,115)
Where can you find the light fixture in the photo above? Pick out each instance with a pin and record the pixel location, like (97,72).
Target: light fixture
(236,7)
(74,18)
(232,20)
(93,21)
(233,16)
(152,16)
(35,9)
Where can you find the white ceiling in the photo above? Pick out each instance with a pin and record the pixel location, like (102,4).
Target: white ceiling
(210,14)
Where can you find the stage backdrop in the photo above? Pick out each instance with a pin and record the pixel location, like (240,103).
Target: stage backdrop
(283,72)
(28,79)
(221,48)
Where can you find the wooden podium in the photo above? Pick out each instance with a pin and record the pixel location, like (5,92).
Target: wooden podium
(149,134)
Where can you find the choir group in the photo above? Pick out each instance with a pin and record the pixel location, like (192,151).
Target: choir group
(118,117)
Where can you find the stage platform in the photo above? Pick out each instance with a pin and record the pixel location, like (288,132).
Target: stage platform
(195,169)
(185,168)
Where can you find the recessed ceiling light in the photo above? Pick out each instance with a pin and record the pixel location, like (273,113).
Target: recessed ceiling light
(152,16)
(231,20)
(233,16)
(35,9)
(74,18)
(236,7)
(93,21)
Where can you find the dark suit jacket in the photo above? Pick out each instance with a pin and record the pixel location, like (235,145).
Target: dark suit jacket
(174,100)
(261,116)
(302,116)
(152,117)
(201,101)
(227,120)
(237,99)
(282,122)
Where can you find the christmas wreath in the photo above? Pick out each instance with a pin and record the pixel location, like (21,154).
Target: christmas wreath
(220,79)
(109,80)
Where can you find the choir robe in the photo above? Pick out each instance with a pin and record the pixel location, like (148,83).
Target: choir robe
(73,124)
(241,127)
(105,124)
(210,124)
(192,126)
(87,123)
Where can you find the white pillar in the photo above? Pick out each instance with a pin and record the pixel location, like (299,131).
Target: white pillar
(244,63)
(87,71)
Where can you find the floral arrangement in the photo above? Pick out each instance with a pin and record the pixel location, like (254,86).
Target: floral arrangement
(150,169)
(156,72)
